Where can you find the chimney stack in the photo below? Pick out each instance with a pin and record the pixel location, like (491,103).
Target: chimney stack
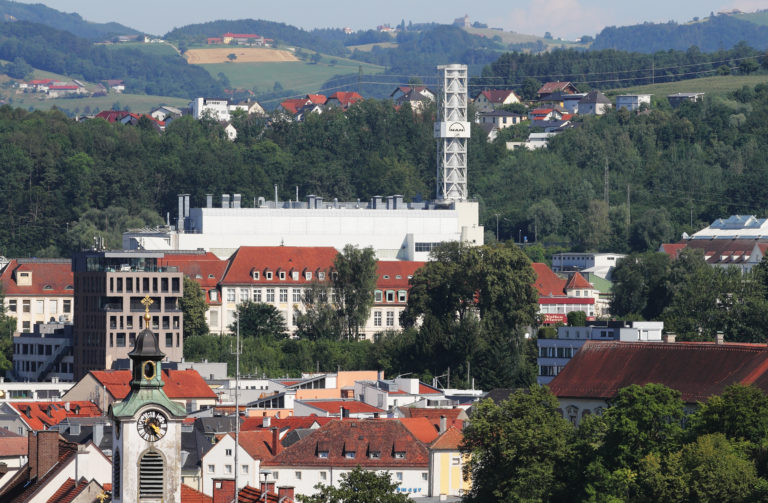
(669,337)
(223,490)
(275,442)
(43,448)
(443,424)
(266,422)
(719,338)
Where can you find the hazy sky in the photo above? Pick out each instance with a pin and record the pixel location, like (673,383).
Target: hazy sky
(563,18)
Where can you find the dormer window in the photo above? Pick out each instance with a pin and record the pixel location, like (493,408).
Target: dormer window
(308,275)
(322,454)
(386,276)
(295,275)
(349,454)
(47,287)
(256,275)
(321,275)
(281,275)
(374,455)
(268,275)
(378,296)
(399,455)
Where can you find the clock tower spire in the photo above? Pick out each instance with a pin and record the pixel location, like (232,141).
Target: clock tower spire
(146,438)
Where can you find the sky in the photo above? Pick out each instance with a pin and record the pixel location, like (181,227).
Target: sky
(568,19)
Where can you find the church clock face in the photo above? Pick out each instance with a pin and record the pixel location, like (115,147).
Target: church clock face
(152,425)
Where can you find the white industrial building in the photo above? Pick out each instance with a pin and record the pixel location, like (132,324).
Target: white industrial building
(632,102)
(599,264)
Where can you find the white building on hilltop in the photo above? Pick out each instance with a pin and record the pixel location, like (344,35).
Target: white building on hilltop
(395,229)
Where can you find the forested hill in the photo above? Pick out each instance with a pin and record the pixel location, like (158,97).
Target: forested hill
(326,41)
(609,68)
(713,34)
(73,23)
(61,52)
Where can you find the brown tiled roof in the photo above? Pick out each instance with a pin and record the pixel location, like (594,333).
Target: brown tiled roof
(189,495)
(421,428)
(334,406)
(284,423)
(450,440)
(577,281)
(13,446)
(49,277)
(497,95)
(257,443)
(68,491)
(547,282)
(179,384)
(552,87)
(361,437)
(21,487)
(397,272)
(697,370)
(43,415)
(716,251)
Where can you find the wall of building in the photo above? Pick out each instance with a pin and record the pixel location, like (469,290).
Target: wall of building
(414,481)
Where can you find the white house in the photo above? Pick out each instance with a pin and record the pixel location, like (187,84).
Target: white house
(215,108)
(255,447)
(594,103)
(632,102)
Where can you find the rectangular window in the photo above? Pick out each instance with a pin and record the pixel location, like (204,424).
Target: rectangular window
(296,295)
(390,295)
(401,296)
(26,306)
(120,339)
(12,306)
(377,318)
(321,276)
(257,295)
(281,275)
(268,275)
(245,294)
(283,295)
(298,475)
(323,475)
(295,275)
(390,318)
(377,296)
(270,294)
(244,469)
(230,294)
(168,340)
(211,468)
(308,275)
(424,476)
(228,452)
(399,476)
(227,469)
(39,306)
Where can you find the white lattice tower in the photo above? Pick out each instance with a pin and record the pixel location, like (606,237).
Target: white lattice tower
(453,129)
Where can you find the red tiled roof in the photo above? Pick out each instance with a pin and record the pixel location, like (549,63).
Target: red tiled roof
(68,491)
(250,494)
(112,115)
(257,443)
(43,415)
(497,95)
(362,437)
(241,35)
(317,99)
(22,488)
(547,282)
(13,446)
(41,81)
(294,105)
(450,440)
(421,428)
(284,423)
(206,269)
(716,251)
(697,370)
(48,278)
(189,495)
(274,258)
(345,98)
(562,299)
(398,273)
(334,406)
(577,281)
(179,384)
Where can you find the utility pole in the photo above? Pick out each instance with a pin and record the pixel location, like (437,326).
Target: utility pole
(606,185)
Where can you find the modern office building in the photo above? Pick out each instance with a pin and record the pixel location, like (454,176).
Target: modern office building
(112,289)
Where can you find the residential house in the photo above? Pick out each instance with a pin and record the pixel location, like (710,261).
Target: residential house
(230,131)
(243,39)
(743,254)
(37,291)
(57,469)
(547,114)
(565,102)
(494,99)
(215,108)
(255,446)
(112,115)
(390,296)
(554,354)
(446,464)
(698,370)
(632,102)
(556,87)
(104,387)
(133,119)
(36,416)
(59,90)
(535,141)
(166,113)
(416,96)
(250,107)
(501,119)
(558,297)
(343,99)
(676,99)
(224,492)
(340,446)
(115,85)
(594,103)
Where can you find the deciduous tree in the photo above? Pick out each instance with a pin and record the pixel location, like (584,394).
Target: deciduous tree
(193,307)
(354,281)
(359,486)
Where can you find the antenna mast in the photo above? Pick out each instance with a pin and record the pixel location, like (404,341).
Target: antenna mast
(453,132)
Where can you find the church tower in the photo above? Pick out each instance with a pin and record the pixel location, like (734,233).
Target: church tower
(146,431)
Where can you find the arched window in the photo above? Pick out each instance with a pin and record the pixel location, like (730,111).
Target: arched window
(116,475)
(151,475)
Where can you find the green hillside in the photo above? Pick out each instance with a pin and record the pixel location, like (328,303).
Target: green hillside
(299,76)
(711,85)
(164,49)
(760,17)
